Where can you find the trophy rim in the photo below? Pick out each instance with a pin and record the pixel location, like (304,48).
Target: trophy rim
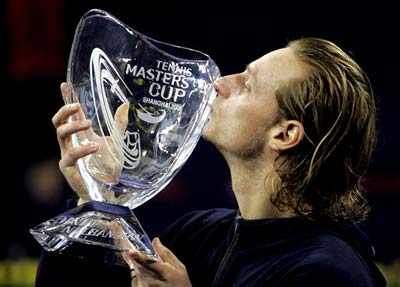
(149,40)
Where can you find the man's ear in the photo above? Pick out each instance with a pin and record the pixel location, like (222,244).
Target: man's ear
(286,135)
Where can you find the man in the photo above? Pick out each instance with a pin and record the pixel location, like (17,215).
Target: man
(297,129)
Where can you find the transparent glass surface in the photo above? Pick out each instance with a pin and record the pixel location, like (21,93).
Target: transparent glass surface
(91,226)
(148,102)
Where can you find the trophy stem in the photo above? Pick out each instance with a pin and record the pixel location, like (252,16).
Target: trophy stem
(91,224)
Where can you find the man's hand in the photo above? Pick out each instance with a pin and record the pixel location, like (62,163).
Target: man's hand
(70,120)
(168,271)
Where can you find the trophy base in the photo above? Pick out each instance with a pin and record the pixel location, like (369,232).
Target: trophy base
(89,224)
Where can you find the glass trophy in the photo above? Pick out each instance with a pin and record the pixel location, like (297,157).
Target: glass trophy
(148,102)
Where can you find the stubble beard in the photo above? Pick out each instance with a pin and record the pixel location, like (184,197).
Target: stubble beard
(248,151)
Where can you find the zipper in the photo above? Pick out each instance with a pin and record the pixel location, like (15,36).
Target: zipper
(227,255)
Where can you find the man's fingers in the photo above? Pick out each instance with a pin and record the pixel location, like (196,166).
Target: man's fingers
(70,156)
(64,113)
(142,258)
(68,109)
(145,275)
(166,254)
(162,269)
(121,117)
(136,260)
(66,130)
(66,92)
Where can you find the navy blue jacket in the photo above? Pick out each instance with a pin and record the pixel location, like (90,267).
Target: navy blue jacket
(220,248)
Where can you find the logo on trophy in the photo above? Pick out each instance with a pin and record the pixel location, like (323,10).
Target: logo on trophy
(148,102)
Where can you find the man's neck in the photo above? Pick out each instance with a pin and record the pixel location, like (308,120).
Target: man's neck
(252,186)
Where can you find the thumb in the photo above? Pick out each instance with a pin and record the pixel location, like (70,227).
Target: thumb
(121,117)
(166,254)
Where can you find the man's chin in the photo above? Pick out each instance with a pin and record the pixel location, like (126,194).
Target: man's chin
(206,134)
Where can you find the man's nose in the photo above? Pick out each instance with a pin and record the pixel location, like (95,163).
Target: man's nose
(222,87)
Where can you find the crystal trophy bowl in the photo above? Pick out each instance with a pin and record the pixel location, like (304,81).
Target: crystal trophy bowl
(148,102)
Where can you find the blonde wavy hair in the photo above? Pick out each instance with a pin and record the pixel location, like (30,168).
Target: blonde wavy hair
(321,177)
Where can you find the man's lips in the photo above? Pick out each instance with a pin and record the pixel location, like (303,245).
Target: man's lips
(211,109)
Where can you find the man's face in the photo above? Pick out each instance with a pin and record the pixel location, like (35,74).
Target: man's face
(246,108)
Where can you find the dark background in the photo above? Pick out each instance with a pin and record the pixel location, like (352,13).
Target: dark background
(35,40)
